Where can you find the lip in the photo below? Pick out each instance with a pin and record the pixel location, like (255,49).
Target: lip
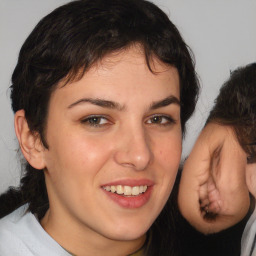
(131,202)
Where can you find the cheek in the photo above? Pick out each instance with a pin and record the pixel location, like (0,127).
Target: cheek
(168,157)
(77,154)
(170,150)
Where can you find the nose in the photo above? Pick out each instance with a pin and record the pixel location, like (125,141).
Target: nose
(134,149)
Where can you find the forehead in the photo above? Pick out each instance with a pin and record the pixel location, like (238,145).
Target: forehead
(132,54)
(124,73)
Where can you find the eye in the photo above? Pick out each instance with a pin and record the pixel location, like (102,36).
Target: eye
(95,121)
(161,120)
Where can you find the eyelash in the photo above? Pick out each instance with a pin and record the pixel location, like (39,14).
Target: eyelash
(95,120)
(169,120)
(90,121)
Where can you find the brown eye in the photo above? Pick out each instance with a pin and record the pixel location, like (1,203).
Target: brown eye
(160,120)
(157,119)
(95,121)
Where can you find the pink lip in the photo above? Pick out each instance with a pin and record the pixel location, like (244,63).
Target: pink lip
(130,201)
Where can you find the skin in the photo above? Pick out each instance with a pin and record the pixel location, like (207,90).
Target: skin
(125,142)
(251,179)
(216,178)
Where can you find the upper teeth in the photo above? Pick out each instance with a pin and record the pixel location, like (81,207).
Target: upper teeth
(126,190)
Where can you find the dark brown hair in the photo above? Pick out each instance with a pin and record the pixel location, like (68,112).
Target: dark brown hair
(73,38)
(236,106)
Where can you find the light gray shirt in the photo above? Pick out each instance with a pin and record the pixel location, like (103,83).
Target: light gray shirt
(22,235)
(248,247)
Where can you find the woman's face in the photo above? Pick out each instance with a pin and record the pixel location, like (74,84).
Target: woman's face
(114,147)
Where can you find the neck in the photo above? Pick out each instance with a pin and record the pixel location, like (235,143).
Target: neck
(79,240)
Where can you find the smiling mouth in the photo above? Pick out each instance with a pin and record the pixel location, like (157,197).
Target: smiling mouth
(126,190)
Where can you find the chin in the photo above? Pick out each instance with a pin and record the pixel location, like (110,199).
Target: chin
(129,232)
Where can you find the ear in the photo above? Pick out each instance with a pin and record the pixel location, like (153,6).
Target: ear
(30,142)
(251,178)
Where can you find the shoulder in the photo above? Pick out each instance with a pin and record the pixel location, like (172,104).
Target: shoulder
(11,222)
(22,235)
(10,233)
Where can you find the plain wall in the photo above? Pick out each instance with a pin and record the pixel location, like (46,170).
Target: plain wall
(221,33)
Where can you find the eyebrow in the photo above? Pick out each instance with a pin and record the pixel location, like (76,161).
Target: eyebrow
(99,102)
(165,102)
(115,105)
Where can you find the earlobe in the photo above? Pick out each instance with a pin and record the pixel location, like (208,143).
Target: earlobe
(29,141)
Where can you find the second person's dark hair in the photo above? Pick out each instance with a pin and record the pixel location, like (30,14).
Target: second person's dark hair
(236,106)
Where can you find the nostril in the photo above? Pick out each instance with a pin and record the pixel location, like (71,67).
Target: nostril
(130,165)
(136,159)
